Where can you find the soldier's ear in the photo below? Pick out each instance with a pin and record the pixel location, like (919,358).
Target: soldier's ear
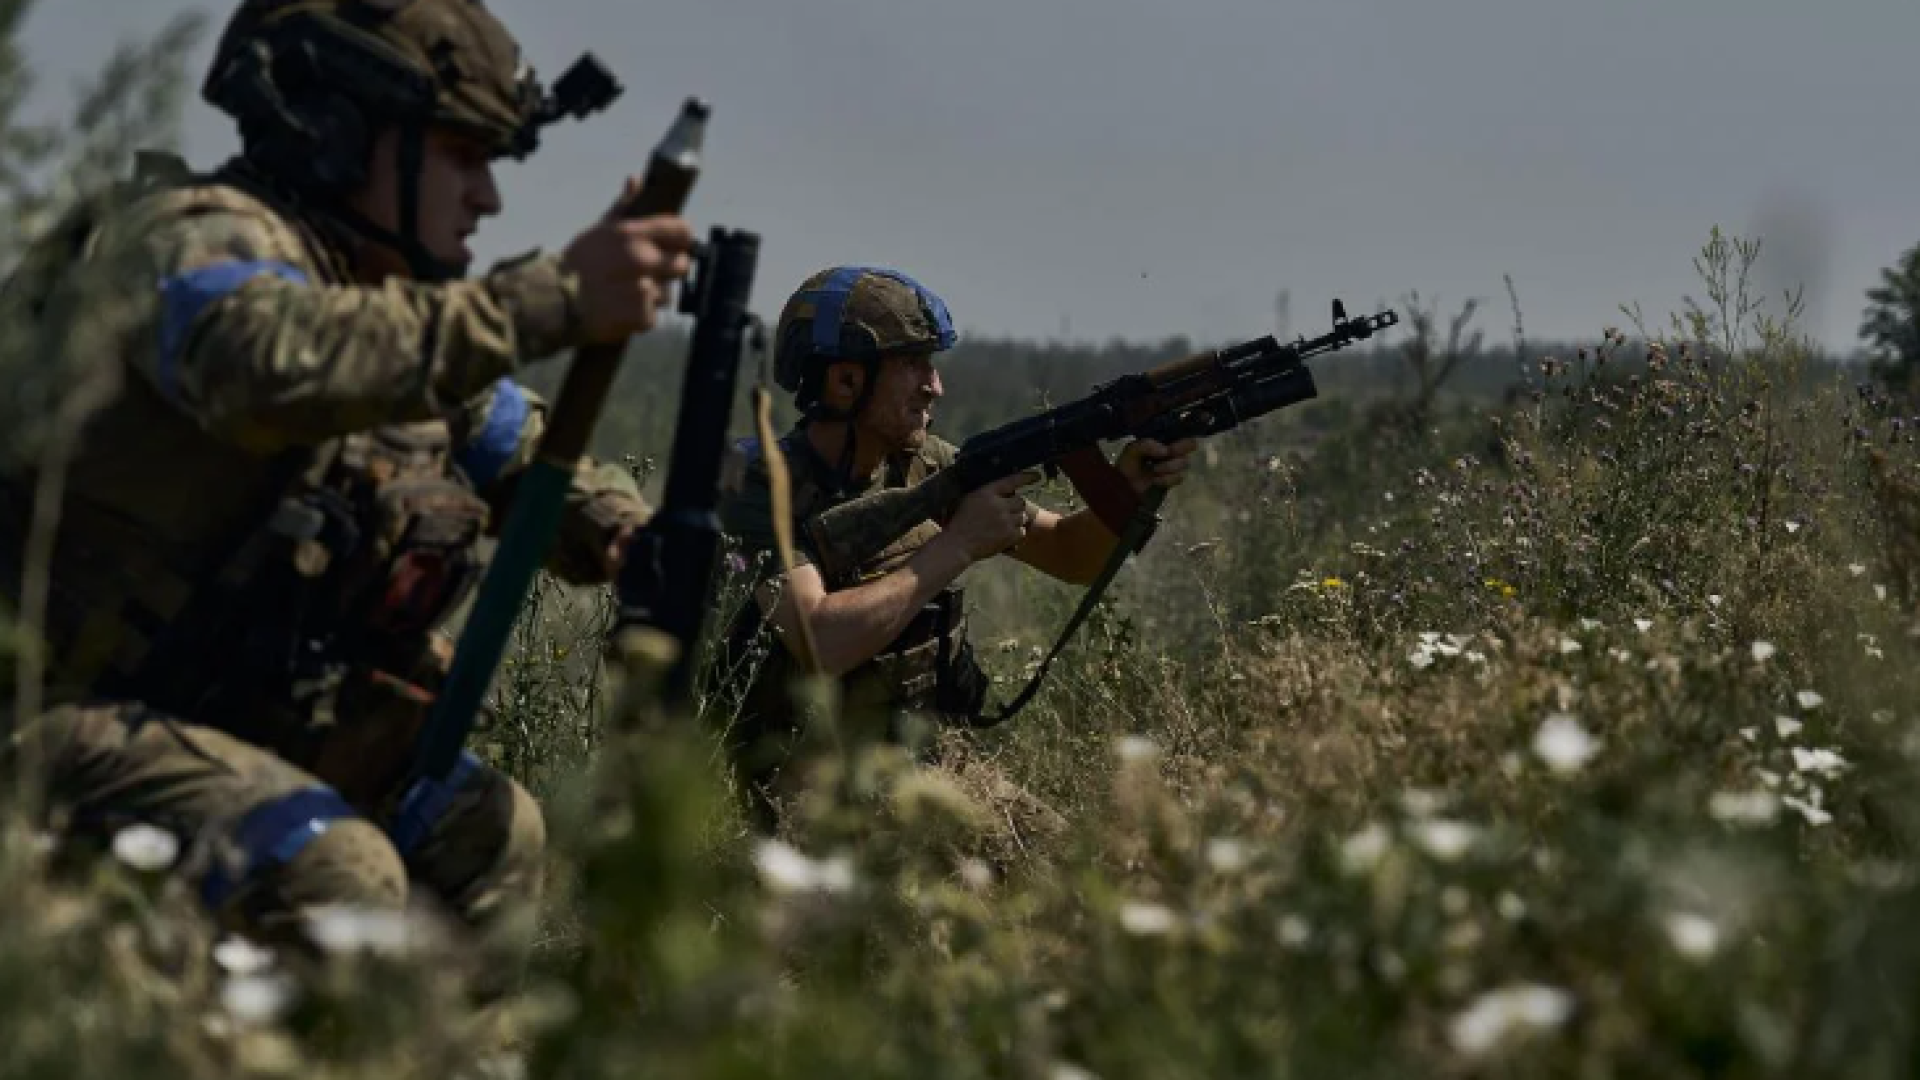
(845,380)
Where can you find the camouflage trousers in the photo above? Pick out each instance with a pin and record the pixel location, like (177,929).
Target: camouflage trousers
(267,843)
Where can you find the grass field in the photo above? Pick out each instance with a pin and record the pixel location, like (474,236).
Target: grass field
(1565,735)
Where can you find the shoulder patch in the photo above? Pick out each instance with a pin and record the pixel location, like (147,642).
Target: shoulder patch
(183,296)
(488,451)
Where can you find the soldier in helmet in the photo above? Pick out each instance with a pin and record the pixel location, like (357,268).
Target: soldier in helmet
(315,420)
(856,347)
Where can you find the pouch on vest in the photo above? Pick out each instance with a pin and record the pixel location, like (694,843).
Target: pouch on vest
(961,692)
(331,658)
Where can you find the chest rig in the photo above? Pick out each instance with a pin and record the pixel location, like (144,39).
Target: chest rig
(317,638)
(929,668)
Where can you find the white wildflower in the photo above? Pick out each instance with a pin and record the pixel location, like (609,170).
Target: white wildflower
(1791,526)
(1810,809)
(1856,569)
(1475,656)
(1421,657)
(1763,651)
(1808,699)
(238,956)
(1744,807)
(1136,748)
(257,999)
(1880,593)
(1445,840)
(1751,734)
(976,874)
(1713,599)
(1589,625)
(1421,803)
(1514,1010)
(1363,850)
(784,868)
(1768,777)
(1621,656)
(1568,646)
(1643,625)
(146,847)
(1226,854)
(1563,744)
(354,927)
(1693,936)
(1144,919)
(1819,762)
(1787,726)
(1295,932)
(502,1065)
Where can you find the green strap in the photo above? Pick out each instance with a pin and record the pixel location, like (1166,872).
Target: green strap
(525,541)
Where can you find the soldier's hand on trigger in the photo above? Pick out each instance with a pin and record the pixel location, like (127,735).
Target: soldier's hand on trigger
(993,518)
(625,267)
(1148,463)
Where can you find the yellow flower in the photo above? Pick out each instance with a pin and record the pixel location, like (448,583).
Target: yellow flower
(1332,583)
(1500,587)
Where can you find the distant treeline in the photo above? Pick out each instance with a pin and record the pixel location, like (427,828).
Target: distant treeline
(989,381)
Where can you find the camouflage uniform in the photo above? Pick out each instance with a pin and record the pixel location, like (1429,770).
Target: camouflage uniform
(263,533)
(927,673)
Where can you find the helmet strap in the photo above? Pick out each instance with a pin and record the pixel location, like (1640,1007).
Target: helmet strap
(820,411)
(409,166)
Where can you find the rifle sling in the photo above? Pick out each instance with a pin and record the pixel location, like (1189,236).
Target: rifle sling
(1139,529)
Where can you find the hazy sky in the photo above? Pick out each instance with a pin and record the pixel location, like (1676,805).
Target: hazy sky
(1141,169)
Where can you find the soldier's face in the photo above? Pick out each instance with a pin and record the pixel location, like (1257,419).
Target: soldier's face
(900,413)
(457,189)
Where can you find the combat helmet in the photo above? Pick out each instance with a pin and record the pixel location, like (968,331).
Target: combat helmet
(310,82)
(857,313)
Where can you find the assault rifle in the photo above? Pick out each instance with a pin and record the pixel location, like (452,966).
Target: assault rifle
(1202,395)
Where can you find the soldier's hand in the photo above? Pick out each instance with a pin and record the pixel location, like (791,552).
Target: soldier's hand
(1149,463)
(993,518)
(625,268)
(614,555)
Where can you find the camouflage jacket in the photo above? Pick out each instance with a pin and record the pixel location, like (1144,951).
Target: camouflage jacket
(231,332)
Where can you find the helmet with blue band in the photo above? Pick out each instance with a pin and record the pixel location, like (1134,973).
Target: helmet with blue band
(857,313)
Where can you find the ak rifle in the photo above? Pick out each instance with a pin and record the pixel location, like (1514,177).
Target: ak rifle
(1202,395)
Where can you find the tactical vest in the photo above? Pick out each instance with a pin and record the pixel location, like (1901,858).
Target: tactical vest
(928,669)
(309,628)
